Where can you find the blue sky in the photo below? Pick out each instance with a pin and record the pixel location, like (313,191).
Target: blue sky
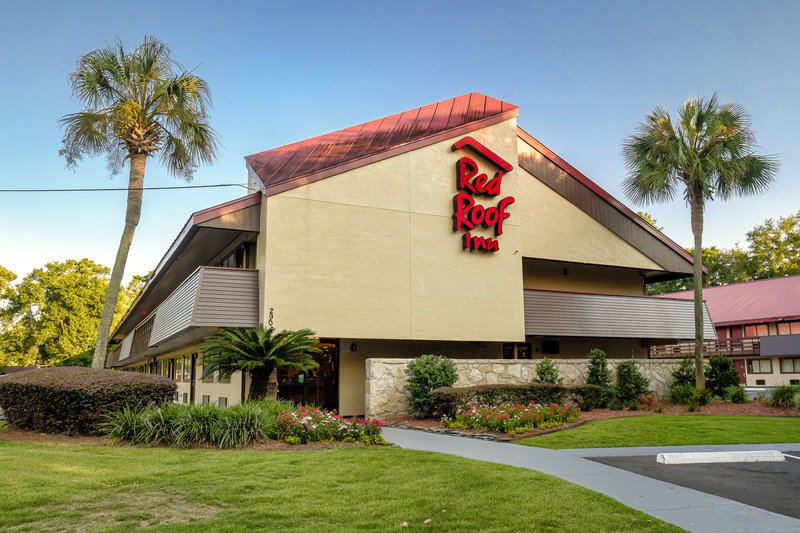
(583,74)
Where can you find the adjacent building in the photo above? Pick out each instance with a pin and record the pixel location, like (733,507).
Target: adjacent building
(445,229)
(757,325)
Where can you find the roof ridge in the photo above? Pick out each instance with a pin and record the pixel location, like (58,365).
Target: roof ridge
(286,167)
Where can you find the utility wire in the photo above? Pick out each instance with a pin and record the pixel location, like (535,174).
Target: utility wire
(126,188)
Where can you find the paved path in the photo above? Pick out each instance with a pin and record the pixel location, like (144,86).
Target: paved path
(687,508)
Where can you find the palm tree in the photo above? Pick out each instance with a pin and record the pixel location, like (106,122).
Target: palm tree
(708,153)
(258,351)
(136,103)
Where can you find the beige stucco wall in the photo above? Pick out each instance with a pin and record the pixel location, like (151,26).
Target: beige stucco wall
(386,396)
(554,228)
(576,277)
(370,253)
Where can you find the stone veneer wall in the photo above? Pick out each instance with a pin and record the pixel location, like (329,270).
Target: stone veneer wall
(385,386)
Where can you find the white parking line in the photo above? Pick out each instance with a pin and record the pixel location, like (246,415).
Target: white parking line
(792,456)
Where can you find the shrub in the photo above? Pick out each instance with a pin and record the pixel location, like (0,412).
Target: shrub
(684,374)
(546,372)
(690,395)
(735,394)
(586,397)
(721,373)
(784,395)
(451,400)
(75,400)
(425,373)
(600,375)
(513,418)
(630,383)
(682,393)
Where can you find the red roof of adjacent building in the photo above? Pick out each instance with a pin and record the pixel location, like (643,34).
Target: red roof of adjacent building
(296,164)
(752,302)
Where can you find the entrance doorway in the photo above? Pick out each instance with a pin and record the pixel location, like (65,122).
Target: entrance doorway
(318,386)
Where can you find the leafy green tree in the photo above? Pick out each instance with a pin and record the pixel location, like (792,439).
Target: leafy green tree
(724,266)
(6,277)
(707,153)
(258,351)
(53,313)
(650,220)
(136,103)
(774,247)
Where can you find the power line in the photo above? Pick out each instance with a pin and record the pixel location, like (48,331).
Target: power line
(126,188)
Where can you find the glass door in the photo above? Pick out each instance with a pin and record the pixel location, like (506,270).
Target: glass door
(318,386)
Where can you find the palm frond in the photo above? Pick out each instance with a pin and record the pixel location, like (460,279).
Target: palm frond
(150,103)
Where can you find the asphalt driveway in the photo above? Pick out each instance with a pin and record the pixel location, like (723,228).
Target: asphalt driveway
(771,486)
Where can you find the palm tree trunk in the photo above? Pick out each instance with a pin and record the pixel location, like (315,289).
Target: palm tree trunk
(259,383)
(132,214)
(697,231)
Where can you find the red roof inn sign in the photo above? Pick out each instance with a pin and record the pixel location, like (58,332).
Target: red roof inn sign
(467,214)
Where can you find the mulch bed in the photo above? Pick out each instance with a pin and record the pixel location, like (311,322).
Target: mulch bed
(755,408)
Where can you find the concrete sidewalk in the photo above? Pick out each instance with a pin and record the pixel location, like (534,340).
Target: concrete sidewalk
(687,508)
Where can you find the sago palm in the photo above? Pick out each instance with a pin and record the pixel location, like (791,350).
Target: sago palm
(707,154)
(137,103)
(259,352)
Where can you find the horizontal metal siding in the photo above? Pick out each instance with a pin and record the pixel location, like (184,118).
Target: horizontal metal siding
(227,298)
(563,314)
(175,313)
(125,352)
(581,196)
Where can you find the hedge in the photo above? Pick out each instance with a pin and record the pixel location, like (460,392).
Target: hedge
(452,400)
(74,400)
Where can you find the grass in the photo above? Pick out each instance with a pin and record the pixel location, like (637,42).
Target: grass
(671,431)
(116,489)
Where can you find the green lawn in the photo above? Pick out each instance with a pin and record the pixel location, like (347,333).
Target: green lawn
(52,488)
(671,431)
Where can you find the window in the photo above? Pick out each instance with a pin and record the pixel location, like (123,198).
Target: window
(187,368)
(206,399)
(185,397)
(756,330)
(223,401)
(550,347)
(761,382)
(790,366)
(794,382)
(179,369)
(759,366)
(210,377)
(789,328)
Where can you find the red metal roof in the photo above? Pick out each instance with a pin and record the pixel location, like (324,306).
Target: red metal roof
(766,300)
(303,162)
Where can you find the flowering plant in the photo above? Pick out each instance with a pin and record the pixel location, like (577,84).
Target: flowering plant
(513,417)
(320,425)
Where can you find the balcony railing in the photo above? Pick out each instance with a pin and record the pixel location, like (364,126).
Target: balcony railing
(210,296)
(729,347)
